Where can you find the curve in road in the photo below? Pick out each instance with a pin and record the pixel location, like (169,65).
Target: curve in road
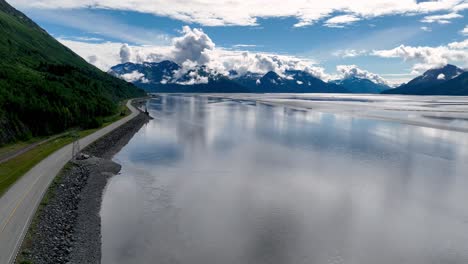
(18,205)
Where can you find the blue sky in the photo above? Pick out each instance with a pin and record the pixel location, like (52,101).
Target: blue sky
(329,37)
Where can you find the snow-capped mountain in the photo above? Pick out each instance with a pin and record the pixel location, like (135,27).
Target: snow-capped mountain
(360,85)
(167,76)
(295,81)
(155,72)
(426,83)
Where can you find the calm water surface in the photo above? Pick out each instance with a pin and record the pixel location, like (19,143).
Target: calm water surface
(219,181)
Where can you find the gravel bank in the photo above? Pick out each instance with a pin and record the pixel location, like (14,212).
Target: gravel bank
(67,226)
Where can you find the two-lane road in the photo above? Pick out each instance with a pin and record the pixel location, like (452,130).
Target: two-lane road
(19,203)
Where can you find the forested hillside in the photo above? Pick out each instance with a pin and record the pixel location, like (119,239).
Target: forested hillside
(45,88)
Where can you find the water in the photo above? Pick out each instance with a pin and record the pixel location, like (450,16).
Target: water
(219,181)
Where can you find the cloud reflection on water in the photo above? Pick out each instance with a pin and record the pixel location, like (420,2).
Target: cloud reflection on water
(214,181)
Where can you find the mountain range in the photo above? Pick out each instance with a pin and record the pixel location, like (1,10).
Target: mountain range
(167,76)
(447,80)
(45,87)
(361,85)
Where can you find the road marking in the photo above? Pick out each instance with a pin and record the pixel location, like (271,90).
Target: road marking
(43,174)
(18,204)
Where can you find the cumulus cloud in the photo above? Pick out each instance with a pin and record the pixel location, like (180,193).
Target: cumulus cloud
(459,45)
(464,31)
(102,55)
(246,13)
(441,19)
(194,48)
(429,57)
(194,45)
(191,73)
(134,76)
(441,76)
(125,53)
(348,71)
(341,21)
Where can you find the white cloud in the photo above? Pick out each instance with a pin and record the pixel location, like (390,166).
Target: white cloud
(134,76)
(460,7)
(349,53)
(347,71)
(194,45)
(441,19)
(341,21)
(427,29)
(429,57)
(193,48)
(464,31)
(194,77)
(102,55)
(396,79)
(441,76)
(246,13)
(85,39)
(125,53)
(241,46)
(459,45)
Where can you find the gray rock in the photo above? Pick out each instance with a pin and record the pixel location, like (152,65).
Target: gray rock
(68,226)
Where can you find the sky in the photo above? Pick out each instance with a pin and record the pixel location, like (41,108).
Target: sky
(387,41)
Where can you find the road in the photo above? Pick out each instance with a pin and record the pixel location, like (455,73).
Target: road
(19,203)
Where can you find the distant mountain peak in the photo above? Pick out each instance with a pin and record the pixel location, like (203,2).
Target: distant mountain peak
(446,72)
(357,84)
(433,82)
(271,75)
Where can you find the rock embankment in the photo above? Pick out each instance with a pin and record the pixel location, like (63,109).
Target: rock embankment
(67,226)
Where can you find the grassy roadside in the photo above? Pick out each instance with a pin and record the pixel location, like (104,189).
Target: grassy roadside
(19,145)
(13,169)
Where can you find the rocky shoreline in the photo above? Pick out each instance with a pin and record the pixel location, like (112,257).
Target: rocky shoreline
(67,225)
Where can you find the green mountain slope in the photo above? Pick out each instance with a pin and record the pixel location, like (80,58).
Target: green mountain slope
(45,88)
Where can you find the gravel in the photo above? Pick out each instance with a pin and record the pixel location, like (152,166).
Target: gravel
(67,227)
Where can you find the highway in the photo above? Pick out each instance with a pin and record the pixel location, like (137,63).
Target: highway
(19,203)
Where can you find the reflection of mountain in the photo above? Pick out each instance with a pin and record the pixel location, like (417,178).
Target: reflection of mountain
(448,80)
(181,124)
(189,114)
(167,76)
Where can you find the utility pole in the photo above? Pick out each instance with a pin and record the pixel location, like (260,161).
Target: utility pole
(146,108)
(76,144)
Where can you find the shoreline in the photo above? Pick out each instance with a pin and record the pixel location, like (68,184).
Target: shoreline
(66,227)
